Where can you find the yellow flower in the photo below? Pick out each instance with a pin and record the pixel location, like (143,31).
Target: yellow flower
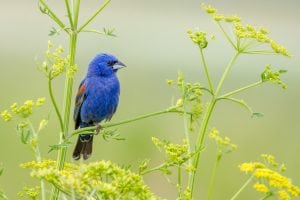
(273,180)
(209,9)
(261,187)
(283,195)
(6,116)
(40,101)
(50,44)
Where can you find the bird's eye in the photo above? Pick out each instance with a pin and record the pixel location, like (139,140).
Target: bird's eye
(111,63)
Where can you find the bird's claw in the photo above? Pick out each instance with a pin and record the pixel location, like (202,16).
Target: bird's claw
(98,128)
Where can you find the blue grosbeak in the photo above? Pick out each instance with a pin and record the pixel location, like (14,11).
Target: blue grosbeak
(97,99)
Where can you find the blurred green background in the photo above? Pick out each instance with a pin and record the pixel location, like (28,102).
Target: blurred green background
(152,41)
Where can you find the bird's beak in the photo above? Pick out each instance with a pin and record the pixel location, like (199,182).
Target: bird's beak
(118,65)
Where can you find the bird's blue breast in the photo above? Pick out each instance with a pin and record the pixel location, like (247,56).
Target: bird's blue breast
(102,98)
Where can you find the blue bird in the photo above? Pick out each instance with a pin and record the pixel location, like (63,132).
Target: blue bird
(97,99)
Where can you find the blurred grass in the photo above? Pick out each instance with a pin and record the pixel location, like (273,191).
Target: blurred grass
(153,44)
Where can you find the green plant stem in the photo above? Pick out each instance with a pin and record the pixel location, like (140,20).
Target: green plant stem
(227,70)
(269,194)
(241,89)
(179,183)
(206,71)
(54,102)
(67,107)
(70,17)
(53,16)
(226,35)
(187,137)
(204,124)
(38,157)
(93,16)
(213,175)
(242,188)
(92,128)
(199,142)
(154,168)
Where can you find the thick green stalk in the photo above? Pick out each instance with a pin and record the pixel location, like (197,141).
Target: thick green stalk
(204,124)
(199,142)
(61,158)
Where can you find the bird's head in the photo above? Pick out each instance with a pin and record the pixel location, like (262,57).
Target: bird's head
(104,64)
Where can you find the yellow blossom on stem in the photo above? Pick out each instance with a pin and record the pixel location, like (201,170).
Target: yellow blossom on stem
(6,116)
(273,180)
(40,101)
(261,187)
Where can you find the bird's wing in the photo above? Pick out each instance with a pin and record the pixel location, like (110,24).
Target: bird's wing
(80,97)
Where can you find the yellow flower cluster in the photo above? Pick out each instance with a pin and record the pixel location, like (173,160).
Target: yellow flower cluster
(56,63)
(224,144)
(29,193)
(273,76)
(261,35)
(261,187)
(190,100)
(176,153)
(217,16)
(102,178)
(198,37)
(248,32)
(273,180)
(6,115)
(24,110)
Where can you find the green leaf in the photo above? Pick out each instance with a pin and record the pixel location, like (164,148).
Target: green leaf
(245,105)
(56,147)
(105,31)
(43,10)
(53,32)
(111,135)
(1,169)
(144,165)
(24,134)
(257,114)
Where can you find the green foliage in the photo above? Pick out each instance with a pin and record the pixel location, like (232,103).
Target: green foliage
(106,180)
(99,180)
(32,193)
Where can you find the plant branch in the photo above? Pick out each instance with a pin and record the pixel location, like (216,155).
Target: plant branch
(206,71)
(213,175)
(225,73)
(108,125)
(53,16)
(242,188)
(70,17)
(204,124)
(226,36)
(159,167)
(241,89)
(93,16)
(54,102)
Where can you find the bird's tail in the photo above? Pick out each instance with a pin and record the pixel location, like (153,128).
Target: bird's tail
(84,147)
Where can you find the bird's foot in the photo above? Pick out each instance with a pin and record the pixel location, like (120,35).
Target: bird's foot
(98,128)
